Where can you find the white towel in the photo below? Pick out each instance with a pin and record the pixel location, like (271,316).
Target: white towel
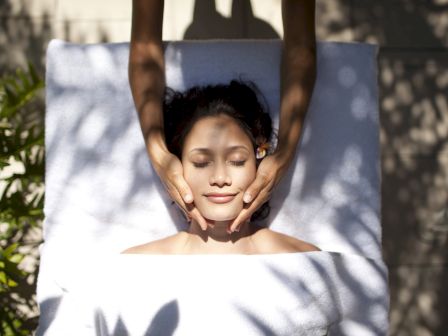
(95,149)
(280,294)
(102,194)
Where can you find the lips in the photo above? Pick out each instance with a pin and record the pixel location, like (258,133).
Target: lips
(220,198)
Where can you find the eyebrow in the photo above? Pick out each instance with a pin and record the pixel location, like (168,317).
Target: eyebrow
(228,149)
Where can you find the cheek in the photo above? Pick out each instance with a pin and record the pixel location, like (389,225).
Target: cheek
(246,177)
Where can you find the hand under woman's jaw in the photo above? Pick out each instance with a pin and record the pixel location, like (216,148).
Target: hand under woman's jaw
(218,231)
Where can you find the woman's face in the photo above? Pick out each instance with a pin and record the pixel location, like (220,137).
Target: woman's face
(219,164)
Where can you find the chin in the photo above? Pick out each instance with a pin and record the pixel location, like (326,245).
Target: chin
(218,217)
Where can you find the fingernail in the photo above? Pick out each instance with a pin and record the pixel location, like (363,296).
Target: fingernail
(247,198)
(188,198)
(238,229)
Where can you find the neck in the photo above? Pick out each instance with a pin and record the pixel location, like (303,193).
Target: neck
(216,239)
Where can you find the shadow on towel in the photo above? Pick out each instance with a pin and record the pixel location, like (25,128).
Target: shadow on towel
(164,322)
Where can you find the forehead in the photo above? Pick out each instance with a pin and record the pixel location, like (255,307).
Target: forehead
(215,131)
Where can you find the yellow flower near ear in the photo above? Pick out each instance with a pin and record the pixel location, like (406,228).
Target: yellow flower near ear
(262,150)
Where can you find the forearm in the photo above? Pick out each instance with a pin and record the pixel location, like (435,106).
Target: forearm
(297,72)
(147,72)
(147,85)
(297,84)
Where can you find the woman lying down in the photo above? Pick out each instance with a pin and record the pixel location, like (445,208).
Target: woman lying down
(251,282)
(214,282)
(220,133)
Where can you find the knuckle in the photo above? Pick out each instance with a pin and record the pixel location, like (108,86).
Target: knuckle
(172,193)
(264,178)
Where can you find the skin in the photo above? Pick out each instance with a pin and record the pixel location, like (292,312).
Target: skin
(147,81)
(218,156)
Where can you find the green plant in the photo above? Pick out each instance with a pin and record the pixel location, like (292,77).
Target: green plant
(21,201)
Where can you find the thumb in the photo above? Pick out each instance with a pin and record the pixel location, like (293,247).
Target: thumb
(254,189)
(184,190)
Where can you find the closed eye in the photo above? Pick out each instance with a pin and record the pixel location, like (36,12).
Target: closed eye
(200,165)
(205,164)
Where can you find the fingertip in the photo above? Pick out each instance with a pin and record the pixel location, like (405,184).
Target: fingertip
(233,227)
(247,198)
(188,198)
(204,226)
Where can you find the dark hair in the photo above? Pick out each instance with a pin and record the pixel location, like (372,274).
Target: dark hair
(239,100)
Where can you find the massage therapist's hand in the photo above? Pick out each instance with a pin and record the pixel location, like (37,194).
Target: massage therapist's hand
(147,82)
(297,76)
(169,168)
(269,173)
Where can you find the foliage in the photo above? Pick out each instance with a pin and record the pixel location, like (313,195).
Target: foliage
(21,202)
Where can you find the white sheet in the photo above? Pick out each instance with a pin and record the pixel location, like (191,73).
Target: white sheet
(282,294)
(103,196)
(99,180)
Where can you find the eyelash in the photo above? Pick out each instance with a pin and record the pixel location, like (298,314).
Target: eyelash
(235,163)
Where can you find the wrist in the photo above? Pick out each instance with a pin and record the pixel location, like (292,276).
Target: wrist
(156,149)
(284,153)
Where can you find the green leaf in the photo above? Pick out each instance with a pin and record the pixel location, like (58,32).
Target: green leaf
(21,138)
(17,91)
(9,250)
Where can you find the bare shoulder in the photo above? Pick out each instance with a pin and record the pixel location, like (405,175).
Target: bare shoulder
(162,246)
(274,242)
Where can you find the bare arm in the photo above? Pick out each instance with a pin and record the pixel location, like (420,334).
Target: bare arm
(147,73)
(298,71)
(147,81)
(298,75)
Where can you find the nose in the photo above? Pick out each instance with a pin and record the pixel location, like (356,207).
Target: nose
(220,176)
